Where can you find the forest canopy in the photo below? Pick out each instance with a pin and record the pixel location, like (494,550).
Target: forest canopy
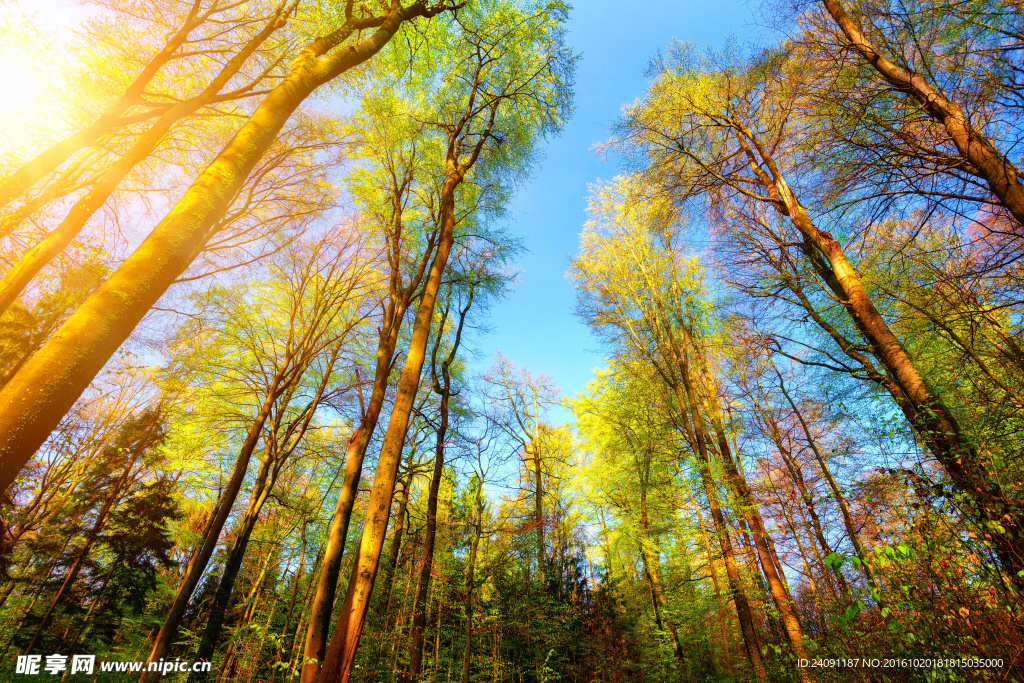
(255,425)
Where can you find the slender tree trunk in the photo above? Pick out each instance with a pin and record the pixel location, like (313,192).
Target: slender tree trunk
(264,483)
(168,631)
(419,620)
(697,435)
(652,569)
(280,653)
(467,648)
(340,656)
(327,581)
(779,590)
(934,423)
(397,535)
(837,494)
(538,506)
(818,533)
(279,447)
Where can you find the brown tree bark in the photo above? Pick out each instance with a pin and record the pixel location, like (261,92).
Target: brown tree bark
(698,438)
(714,578)
(442,387)
(986,162)
(925,411)
(776,583)
(467,647)
(197,566)
(340,655)
(419,611)
(399,298)
(280,444)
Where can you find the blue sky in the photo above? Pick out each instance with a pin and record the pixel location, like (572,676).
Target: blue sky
(535,326)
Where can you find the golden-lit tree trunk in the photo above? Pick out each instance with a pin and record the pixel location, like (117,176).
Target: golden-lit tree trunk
(397,535)
(340,655)
(276,454)
(45,388)
(739,594)
(315,642)
(399,299)
(29,265)
(932,420)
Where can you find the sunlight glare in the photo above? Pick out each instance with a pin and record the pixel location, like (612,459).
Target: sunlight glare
(19,86)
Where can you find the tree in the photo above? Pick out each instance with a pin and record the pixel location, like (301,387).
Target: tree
(505,96)
(315,292)
(726,139)
(47,385)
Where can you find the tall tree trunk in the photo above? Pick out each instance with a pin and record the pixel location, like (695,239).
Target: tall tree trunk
(779,591)
(652,569)
(49,383)
(693,426)
(29,265)
(327,582)
(538,506)
(340,655)
(197,567)
(986,162)
(817,533)
(467,648)
(714,577)
(396,539)
(925,411)
(419,619)
(233,562)
(280,444)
